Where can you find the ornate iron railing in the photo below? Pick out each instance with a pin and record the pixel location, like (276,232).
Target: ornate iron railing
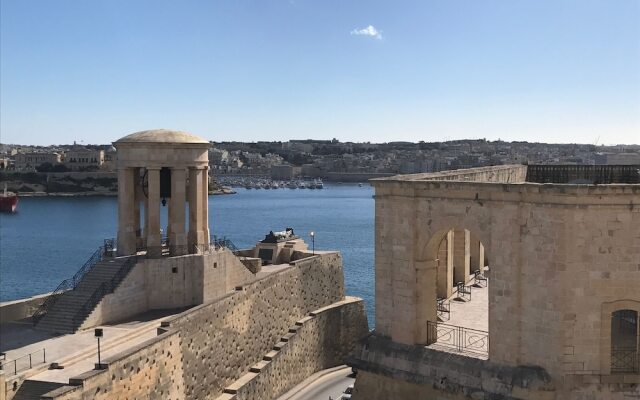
(24,363)
(461,339)
(102,290)
(67,284)
(625,360)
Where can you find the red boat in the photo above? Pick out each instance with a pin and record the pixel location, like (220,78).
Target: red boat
(8,201)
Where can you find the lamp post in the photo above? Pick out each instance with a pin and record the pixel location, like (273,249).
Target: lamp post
(98,334)
(313,242)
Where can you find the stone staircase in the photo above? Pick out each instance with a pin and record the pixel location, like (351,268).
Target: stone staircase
(70,310)
(31,390)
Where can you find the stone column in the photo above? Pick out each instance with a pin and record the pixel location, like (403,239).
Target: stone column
(481,257)
(461,255)
(145,227)
(205,206)
(445,266)
(425,301)
(196,232)
(177,219)
(138,195)
(154,248)
(474,258)
(126,223)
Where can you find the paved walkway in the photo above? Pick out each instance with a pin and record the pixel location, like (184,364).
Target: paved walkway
(78,351)
(473,314)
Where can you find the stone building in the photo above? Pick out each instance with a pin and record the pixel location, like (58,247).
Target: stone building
(548,274)
(29,161)
(82,158)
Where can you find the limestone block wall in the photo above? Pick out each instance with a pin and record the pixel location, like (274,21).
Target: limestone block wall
(562,258)
(221,340)
(207,348)
(151,370)
(601,275)
(169,283)
(390,370)
(320,341)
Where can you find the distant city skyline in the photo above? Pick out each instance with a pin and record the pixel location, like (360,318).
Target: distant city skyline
(537,71)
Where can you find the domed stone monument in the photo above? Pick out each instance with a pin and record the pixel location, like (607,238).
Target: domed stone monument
(158,167)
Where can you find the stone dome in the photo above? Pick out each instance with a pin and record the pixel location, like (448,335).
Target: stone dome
(161,136)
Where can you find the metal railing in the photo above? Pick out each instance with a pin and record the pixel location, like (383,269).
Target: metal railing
(67,284)
(625,360)
(223,243)
(166,248)
(102,290)
(24,363)
(461,339)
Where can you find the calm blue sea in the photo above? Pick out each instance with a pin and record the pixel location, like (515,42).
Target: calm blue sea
(49,238)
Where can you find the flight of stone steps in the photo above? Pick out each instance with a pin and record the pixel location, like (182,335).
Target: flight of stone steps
(60,317)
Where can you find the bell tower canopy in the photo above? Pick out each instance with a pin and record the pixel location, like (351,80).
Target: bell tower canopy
(155,166)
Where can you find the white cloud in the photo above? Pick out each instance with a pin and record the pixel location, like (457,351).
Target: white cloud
(368,31)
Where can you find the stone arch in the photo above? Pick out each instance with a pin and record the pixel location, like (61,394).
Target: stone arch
(607,314)
(427,244)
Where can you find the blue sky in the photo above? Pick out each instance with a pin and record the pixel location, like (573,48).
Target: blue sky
(537,70)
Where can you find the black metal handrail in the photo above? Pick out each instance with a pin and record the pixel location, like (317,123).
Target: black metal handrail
(458,338)
(625,360)
(102,290)
(19,366)
(67,284)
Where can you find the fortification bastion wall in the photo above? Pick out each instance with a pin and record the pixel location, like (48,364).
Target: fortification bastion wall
(204,350)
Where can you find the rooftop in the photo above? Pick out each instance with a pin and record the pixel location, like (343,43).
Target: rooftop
(161,136)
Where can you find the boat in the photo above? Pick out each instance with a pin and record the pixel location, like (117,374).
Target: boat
(8,201)
(318,184)
(292,185)
(359,184)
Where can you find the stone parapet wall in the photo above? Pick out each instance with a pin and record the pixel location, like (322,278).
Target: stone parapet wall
(496,174)
(20,309)
(205,349)
(221,340)
(151,370)
(389,370)
(317,342)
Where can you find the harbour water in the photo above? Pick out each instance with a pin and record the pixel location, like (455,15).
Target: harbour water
(49,238)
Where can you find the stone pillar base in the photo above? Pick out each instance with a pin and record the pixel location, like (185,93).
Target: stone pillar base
(126,243)
(178,244)
(154,246)
(197,238)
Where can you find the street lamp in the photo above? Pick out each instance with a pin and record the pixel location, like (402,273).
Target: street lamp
(313,242)
(98,334)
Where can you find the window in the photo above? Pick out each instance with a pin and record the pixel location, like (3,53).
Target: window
(624,342)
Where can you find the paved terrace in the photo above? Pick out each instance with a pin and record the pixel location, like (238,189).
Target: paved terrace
(473,314)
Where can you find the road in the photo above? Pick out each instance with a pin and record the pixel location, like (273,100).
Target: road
(321,385)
